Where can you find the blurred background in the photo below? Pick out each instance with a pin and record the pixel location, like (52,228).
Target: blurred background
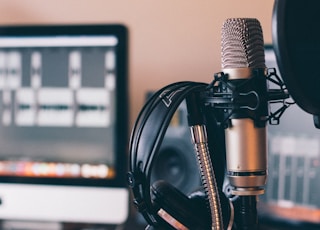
(169,41)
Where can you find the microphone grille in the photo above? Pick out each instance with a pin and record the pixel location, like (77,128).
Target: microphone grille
(242,44)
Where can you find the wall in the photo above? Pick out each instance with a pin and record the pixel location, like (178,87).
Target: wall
(170,40)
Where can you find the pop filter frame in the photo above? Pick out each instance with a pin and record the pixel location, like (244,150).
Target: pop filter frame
(296,41)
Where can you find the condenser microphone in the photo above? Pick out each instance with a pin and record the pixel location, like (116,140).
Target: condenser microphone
(243,66)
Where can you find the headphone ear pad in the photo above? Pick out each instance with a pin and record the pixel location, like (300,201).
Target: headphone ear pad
(176,208)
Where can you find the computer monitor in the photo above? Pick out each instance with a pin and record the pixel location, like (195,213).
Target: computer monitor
(63,123)
(293,165)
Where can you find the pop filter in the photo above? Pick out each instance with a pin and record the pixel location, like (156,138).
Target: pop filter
(296,40)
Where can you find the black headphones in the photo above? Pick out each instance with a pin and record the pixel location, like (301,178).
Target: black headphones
(161,204)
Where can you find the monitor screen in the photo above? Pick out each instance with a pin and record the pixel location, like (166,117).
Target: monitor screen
(63,123)
(293,165)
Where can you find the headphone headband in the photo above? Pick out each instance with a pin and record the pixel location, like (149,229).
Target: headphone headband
(147,136)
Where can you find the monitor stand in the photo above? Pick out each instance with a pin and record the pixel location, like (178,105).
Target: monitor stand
(30,225)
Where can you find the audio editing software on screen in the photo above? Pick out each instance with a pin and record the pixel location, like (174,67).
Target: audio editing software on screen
(57,93)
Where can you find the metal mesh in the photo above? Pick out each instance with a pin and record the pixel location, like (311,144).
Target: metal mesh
(242,44)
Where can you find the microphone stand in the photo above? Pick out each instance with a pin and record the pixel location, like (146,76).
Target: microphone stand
(246,214)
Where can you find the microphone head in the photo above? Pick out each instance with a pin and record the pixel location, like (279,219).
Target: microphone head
(242,44)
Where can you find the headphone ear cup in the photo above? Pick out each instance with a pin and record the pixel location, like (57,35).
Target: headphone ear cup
(179,210)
